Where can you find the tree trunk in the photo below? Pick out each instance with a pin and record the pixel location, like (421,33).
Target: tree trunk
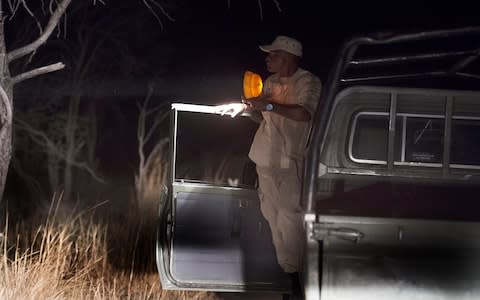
(5,109)
(5,153)
(71,143)
(53,167)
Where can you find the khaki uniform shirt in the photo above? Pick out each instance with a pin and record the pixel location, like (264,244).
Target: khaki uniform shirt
(280,142)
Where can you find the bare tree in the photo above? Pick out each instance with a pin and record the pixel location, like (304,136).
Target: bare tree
(7,81)
(53,144)
(145,132)
(62,124)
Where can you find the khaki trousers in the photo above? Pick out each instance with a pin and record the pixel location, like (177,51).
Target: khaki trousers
(279,192)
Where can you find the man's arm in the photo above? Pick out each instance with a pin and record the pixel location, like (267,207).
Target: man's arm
(294,112)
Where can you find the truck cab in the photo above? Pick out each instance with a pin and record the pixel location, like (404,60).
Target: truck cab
(392,172)
(391,182)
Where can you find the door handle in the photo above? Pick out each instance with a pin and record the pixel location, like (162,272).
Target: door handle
(348,234)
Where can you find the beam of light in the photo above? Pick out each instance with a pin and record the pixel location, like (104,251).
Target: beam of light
(231,109)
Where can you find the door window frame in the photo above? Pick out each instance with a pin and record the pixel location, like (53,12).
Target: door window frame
(403,162)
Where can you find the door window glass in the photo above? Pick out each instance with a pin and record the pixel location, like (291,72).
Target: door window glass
(465,148)
(371,128)
(214,149)
(370,138)
(424,140)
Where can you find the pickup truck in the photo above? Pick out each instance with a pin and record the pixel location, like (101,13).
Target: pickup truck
(391,182)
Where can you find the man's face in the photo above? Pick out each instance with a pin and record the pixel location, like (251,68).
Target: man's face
(275,60)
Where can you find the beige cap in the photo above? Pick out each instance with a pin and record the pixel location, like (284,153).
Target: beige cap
(286,44)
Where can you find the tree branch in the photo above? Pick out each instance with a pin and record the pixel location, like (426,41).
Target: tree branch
(37,72)
(42,139)
(164,12)
(154,127)
(260,9)
(277,4)
(8,107)
(154,13)
(27,9)
(158,147)
(13,6)
(52,23)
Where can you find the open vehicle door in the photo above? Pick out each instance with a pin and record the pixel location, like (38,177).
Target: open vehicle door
(212,235)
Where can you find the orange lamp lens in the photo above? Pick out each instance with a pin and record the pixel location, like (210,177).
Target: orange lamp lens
(252,85)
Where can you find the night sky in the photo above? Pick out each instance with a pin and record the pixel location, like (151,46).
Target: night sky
(215,44)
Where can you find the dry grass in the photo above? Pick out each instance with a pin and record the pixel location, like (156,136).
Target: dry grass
(76,256)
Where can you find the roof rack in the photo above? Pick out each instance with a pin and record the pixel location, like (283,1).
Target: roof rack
(441,60)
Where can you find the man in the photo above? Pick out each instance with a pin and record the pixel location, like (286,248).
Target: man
(287,104)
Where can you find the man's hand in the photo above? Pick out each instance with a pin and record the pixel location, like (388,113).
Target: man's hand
(258,103)
(231,109)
